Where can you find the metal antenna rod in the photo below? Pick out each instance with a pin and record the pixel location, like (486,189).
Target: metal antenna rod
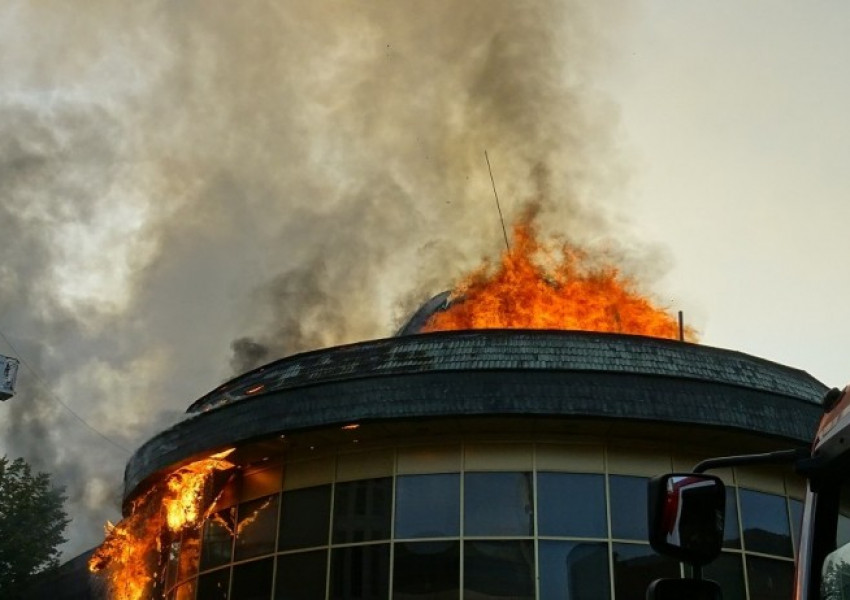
(498,206)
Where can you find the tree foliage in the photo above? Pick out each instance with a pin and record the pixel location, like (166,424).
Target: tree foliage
(32,523)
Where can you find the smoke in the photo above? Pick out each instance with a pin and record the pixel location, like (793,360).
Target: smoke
(191,189)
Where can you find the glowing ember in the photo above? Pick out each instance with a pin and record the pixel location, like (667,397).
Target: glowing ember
(522,293)
(131,554)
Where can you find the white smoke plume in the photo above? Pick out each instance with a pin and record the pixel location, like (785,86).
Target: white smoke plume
(192,188)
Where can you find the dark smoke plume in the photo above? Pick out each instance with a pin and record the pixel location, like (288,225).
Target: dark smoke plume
(194,188)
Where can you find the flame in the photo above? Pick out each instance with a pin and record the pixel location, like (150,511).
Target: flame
(132,552)
(535,287)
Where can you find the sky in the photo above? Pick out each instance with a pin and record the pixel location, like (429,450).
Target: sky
(191,189)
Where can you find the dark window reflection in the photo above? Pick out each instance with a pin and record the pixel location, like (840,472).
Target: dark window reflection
(796,508)
(253,580)
(498,569)
(427,506)
(305,518)
(635,567)
(217,542)
(256,527)
(362,510)
(628,507)
(731,531)
(765,522)
(360,573)
(498,504)
(571,504)
(213,586)
(426,571)
(728,571)
(770,579)
(573,570)
(301,576)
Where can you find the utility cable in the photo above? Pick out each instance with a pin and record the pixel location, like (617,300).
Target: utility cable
(56,399)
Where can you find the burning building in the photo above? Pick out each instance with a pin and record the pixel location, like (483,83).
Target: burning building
(474,464)
(466,457)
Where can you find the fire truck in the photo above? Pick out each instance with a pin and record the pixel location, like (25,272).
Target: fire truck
(686,514)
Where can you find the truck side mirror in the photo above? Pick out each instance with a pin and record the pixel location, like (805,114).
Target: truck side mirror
(686,513)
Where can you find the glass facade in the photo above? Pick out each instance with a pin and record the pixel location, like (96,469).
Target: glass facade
(520,524)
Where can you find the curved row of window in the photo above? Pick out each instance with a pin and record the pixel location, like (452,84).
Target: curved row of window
(475,535)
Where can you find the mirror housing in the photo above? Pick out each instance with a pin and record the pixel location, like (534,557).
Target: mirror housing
(686,515)
(676,589)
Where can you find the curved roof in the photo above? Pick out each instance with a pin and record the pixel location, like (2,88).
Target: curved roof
(494,372)
(533,350)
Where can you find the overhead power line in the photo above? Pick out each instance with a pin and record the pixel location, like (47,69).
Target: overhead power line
(56,399)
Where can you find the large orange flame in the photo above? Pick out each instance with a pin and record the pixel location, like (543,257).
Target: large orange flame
(132,552)
(535,287)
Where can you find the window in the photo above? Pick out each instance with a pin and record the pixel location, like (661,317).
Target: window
(214,585)
(628,507)
(302,576)
(573,570)
(731,532)
(498,504)
(426,570)
(498,569)
(770,579)
(427,506)
(765,522)
(635,567)
(362,510)
(217,542)
(252,580)
(256,527)
(728,571)
(360,572)
(571,505)
(305,518)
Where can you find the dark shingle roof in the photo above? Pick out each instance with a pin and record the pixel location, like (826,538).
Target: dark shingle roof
(518,349)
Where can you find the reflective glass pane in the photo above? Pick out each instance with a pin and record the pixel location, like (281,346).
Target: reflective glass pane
(253,580)
(571,504)
(427,506)
(731,531)
(770,579)
(426,571)
(728,571)
(217,544)
(498,569)
(628,507)
(573,570)
(256,527)
(765,522)
(305,518)
(213,585)
(498,504)
(362,510)
(302,576)
(635,567)
(190,551)
(360,573)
